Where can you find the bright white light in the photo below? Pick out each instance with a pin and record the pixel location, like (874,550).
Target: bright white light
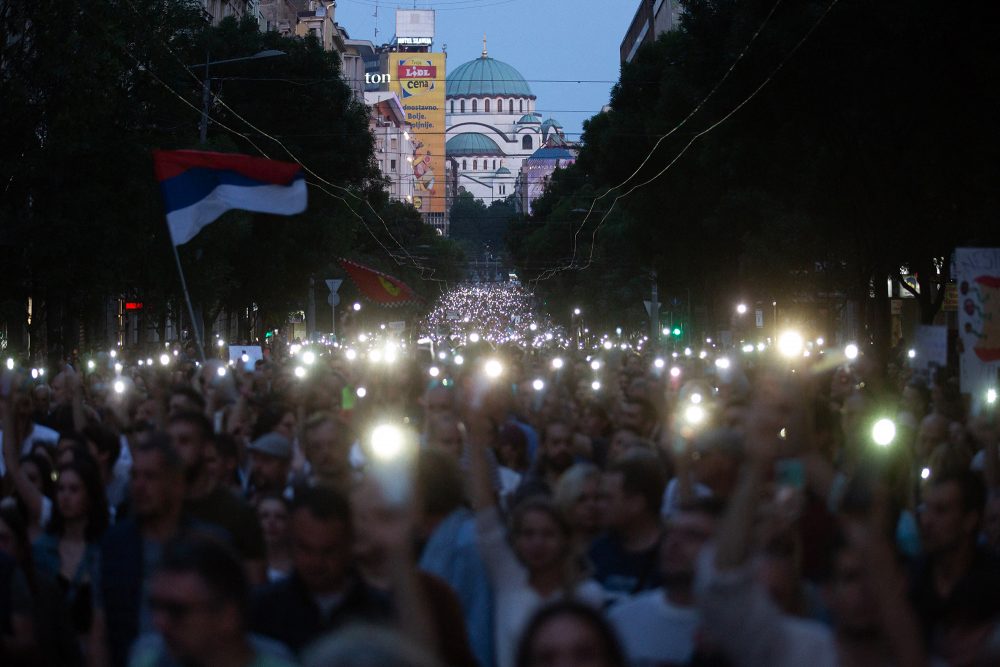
(708,340)
(557,363)
(687,351)
(783,434)
(357,306)
(363,337)
(533,327)
(387,442)
(118,368)
(548,335)
(177,353)
(666,331)
(608,345)
(748,348)
(294,349)
(694,414)
(851,351)
(473,337)
(741,309)
(164,359)
(351,355)
(308,357)
(912,354)
(221,372)
(696,398)
(596,385)
(361,392)
(538,384)
(991,396)
(790,344)
(34,373)
(10,364)
(142,363)
(375,356)
(390,355)
(91,365)
(761,347)
(149,361)
(595,365)
(659,363)
(884,432)
(820,341)
(576,311)
(925,473)
(675,372)
(434,371)
(113,353)
(244,357)
(493,368)
(119,387)
(222,343)
(300,372)
(442,355)
(702,354)
(459,360)
(41,371)
(722,363)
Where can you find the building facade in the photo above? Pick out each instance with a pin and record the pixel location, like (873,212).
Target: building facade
(652,19)
(393,147)
(492,128)
(537,169)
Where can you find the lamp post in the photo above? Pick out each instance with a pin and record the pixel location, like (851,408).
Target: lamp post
(206,85)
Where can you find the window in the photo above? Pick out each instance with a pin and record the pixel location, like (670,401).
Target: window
(465,165)
(394,144)
(526,143)
(494,164)
(520,104)
(503,189)
(475,106)
(475,165)
(462,106)
(486,106)
(392,165)
(510,106)
(453,106)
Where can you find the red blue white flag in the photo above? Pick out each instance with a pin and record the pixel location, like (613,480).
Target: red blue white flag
(199,186)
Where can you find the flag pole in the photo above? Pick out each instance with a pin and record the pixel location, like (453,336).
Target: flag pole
(187,298)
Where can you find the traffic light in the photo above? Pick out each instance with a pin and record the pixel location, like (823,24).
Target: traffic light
(676,332)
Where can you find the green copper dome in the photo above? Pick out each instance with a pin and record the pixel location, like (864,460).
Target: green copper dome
(471,143)
(486,77)
(528,119)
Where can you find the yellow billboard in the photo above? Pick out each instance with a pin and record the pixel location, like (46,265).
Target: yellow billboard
(418,81)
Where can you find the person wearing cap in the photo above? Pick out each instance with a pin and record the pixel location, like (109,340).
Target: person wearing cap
(270,463)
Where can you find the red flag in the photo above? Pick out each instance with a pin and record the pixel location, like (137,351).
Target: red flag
(378,287)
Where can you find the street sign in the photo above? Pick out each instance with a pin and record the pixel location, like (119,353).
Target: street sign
(333,299)
(649,305)
(759,318)
(334,285)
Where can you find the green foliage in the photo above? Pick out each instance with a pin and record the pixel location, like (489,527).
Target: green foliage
(476,226)
(868,150)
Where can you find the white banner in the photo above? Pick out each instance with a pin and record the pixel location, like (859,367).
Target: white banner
(931,345)
(978,277)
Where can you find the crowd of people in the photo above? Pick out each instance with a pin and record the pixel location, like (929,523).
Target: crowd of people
(507,510)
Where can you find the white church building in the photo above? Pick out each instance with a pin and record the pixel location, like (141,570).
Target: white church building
(491,127)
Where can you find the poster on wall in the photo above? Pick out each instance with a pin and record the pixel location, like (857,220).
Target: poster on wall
(418,79)
(978,279)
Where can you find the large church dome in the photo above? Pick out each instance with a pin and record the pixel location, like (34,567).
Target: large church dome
(487,77)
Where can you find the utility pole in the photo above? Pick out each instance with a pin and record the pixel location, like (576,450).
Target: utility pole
(654,311)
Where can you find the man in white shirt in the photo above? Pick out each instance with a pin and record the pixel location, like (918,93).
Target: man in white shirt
(659,627)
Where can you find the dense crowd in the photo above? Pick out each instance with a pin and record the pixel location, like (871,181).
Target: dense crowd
(497,506)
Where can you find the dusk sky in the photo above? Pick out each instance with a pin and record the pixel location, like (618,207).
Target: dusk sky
(544,40)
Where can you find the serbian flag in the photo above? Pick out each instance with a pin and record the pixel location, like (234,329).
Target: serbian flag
(199,186)
(379,287)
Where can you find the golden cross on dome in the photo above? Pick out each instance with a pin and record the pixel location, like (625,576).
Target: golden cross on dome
(484,45)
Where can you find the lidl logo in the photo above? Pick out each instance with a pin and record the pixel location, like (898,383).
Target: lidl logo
(416,77)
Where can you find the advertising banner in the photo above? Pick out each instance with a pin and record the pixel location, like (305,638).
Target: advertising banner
(418,80)
(978,278)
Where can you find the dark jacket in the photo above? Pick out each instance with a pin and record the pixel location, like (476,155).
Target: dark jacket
(285,610)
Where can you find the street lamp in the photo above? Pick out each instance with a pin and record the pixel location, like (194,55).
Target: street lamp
(206,84)
(741,309)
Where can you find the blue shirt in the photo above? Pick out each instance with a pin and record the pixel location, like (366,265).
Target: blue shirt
(451,553)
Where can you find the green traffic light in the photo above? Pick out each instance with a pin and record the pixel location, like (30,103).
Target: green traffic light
(676,331)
